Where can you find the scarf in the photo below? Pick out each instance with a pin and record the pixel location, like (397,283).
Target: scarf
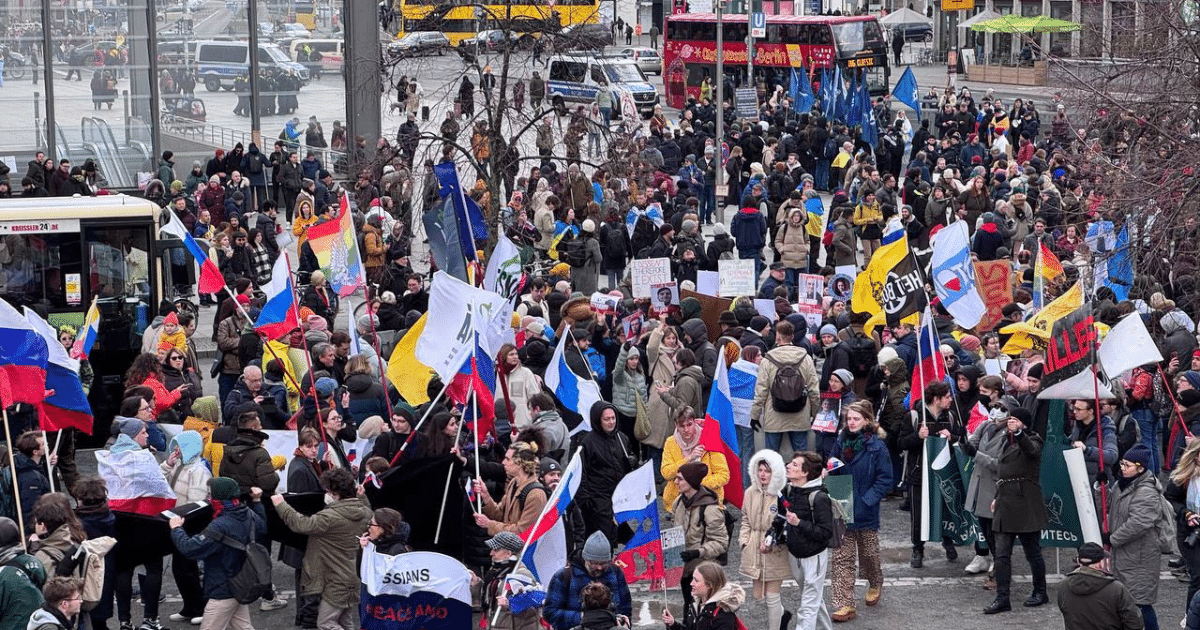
(503,371)
(684,446)
(852,445)
(1124,482)
(1193,496)
(221,506)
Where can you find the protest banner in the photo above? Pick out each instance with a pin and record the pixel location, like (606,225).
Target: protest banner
(737,278)
(648,272)
(418,589)
(604,304)
(993,279)
(811,288)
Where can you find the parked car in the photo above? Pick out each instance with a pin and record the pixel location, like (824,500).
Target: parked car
(917,32)
(293,30)
(419,43)
(646,58)
(85,54)
(492,40)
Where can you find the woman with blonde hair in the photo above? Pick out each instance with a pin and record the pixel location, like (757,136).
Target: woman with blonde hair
(865,458)
(764,553)
(1183,491)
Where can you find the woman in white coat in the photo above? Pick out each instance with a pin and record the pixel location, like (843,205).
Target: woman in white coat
(515,384)
(764,554)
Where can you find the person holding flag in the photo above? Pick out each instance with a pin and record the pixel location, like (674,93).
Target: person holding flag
(931,416)
(524,496)
(564,595)
(607,457)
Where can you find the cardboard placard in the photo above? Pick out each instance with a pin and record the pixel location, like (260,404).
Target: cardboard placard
(710,311)
(604,304)
(708,282)
(737,278)
(664,295)
(811,288)
(993,280)
(632,325)
(647,273)
(766,308)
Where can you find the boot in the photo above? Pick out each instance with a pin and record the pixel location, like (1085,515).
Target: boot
(918,559)
(1037,598)
(1000,605)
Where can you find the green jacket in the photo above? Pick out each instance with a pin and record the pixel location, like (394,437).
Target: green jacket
(329,562)
(21,579)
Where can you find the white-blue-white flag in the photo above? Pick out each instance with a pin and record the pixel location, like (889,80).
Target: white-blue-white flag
(575,392)
(954,275)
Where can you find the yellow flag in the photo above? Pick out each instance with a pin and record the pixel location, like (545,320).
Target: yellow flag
(869,284)
(290,384)
(1033,334)
(409,375)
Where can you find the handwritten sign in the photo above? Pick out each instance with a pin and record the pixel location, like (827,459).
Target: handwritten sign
(993,280)
(737,278)
(649,272)
(708,282)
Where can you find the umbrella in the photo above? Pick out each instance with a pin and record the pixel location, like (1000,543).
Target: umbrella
(982,16)
(1019,24)
(903,16)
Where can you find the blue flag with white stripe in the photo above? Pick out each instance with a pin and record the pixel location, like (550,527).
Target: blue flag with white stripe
(575,392)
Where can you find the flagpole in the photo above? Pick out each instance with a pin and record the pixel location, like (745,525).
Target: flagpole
(378,347)
(312,382)
(475,431)
(437,534)
(551,503)
(49,467)
(12,467)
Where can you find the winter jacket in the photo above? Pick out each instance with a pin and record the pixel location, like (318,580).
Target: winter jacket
(627,386)
(749,230)
(811,536)
(792,241)
(607,457)
(511,514)
(661,363)
(845,244)
(987,241)
(760,515)
(494,584)
(222,562)
(229,337)
(554,430)
(274,404)
(249,464)
(1093,600)
(763,408)
(45,618)
(695,335)
(21,581)
(366,399)
(702,518)
(871,471)
(522,385)
(1091,452)
(189,476)
(986,444)
(1020,507)
(53,547)
(373,247)
(1133,526)
(672,459)
(31,484)
(564,595)
(688,390)
(329,561)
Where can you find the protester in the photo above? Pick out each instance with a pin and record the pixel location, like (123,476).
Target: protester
(564,603)
(764,552)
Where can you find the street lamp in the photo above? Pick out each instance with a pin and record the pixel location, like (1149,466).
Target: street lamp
(719,5)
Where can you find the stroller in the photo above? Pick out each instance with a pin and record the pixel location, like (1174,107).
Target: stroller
(186,115)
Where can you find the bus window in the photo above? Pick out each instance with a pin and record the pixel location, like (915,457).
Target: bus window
(34,269)
(854,37)
(120,262)
(734,32)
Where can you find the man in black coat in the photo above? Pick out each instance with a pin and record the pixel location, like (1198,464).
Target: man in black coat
(607,458)
(1019,511)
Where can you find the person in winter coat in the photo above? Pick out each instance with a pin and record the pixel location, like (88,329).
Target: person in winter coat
(1090,598)
(56,530)
(845,241)
(1133,530)
(764,553)
(564,594)
(251,387)
(366,394)
(516,384)
(628,385)
(661,349)
(1181,493)
(245,460)
(608,456)
(503,548)
(988,238)
(524,496)
(188,475)
(702,517)
(544,417)
(98,520)
(304,476)
(1020,512)
(31,472)
(749,231)
(62,607)
(586,279)
(695,337)
(717,601)
(1084,437)
(808,512)
(329,560)
(772,415)
(865,458)
(840,393)
(21,587)
(933,416)
(688,389)
(684,447)
(985,445)
(236,522)
(791,241)
(720,247)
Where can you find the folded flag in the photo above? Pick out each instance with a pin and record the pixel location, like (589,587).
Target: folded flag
(135,482)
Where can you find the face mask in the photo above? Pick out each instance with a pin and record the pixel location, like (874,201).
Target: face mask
(998,414)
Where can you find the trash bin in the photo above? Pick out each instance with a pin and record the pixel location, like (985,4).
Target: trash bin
(424,112)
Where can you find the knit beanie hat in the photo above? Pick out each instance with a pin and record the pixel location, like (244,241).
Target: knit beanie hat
(597,548)
(129,426)
(694,473)
(222,488)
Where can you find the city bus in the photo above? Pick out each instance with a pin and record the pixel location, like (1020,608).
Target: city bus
(57,253)
(462,21)
(856,43)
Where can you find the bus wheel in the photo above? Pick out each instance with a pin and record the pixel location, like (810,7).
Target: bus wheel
(560,108)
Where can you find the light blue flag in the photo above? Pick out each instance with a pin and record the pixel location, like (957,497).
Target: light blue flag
(804,99)
(1120,267)
(856,104)
(907,92)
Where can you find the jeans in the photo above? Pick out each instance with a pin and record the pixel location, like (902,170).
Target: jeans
(225,384)
(821,178)
(151,587)
(1149,617)
(798,439)
(1031,542)
(1148,426)
(810,577)
(593,143)
(745,438)
(708,203)
(655,455)
(824,442)
(614,277)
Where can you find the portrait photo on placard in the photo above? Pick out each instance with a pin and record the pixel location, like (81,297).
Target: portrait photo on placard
(841,286)
(664,295)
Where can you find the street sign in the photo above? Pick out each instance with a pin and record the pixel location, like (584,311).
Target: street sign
(958,5)
(758,24)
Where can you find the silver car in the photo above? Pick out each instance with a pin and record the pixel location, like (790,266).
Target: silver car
(646,58)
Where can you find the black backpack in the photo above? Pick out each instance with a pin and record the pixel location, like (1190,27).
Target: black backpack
(862,354)
(530,488)
(256,166)
(788,391)
(253,580)
(831,148)
(573,252)
(613,244)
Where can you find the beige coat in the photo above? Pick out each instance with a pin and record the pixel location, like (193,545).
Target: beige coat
(662,372)
(758,513)
(792,241)
(329,562)
(703,522)
(762,409)
(522,385)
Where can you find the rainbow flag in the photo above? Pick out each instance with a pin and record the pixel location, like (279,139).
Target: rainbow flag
(335,243)
(1046,269)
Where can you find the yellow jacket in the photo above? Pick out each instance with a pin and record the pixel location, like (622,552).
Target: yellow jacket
(866,215)
(672,459)
(300,228)
(842,160)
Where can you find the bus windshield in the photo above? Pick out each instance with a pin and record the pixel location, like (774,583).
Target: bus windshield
(855,37)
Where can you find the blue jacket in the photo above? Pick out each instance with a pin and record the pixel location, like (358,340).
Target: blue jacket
(749,229)
(872,472)
(564,597)
(222,562)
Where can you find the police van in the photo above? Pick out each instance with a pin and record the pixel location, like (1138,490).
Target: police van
(577,79)
(219,63)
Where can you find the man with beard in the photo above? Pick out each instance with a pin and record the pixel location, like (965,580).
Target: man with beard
(564,596)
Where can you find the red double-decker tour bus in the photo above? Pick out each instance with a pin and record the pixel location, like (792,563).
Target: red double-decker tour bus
(856,43)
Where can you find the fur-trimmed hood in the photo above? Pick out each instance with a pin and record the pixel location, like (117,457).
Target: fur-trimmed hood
(730,597)
(778,470)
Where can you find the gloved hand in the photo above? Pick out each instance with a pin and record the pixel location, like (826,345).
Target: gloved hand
(755,425)
(1102,477)
(687,555)
(1105,537)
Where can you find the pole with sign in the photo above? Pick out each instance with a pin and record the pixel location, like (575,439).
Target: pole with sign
(758,29)
(719,186)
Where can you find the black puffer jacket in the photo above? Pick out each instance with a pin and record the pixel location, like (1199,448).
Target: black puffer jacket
(811,536)
(706,353)
(607,458)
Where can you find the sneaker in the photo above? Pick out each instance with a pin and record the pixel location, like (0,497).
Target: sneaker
(150,623)
(1175,563)
(126,625)
(197,620)
(978,564)
(179,617)
(268,605)
(845,613)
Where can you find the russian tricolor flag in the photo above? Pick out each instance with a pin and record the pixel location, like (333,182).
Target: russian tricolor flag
(577,393)
(478,373)
(719,435)
(931,366)
(211,280)
(23,357)
(88,334)
(546,542)
(278,316)
(635,501)
(67,406)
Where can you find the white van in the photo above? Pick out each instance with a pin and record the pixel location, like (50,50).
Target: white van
(219,63)
(333,54)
